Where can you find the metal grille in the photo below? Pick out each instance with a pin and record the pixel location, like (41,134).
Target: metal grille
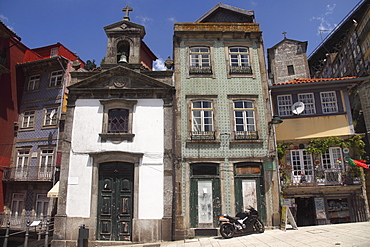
(118,121)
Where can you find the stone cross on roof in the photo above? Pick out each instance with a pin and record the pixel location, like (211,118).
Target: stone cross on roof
(127,9)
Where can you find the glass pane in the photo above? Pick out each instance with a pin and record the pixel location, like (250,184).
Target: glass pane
(205,205)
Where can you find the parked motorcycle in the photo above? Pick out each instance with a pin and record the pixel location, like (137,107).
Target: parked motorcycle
(242,222)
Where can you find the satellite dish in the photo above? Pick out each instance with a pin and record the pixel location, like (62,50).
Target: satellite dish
(298,108)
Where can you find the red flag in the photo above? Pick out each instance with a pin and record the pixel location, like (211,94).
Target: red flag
(361,163)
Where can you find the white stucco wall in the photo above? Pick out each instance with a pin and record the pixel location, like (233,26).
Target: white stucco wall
(148,129)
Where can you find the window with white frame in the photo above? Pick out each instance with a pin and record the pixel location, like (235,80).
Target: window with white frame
(330,159)
(244,119)
(42,204)
(17,204)
(23,157)
(329,102)
(56,78)
(28,119)
(50,116)
(200,60)
(33,83)
(239,60)
(309,103)
(202,119)
(46,163)
(302,167)
(284,103)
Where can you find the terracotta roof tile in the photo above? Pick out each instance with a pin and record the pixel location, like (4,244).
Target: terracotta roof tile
(301,81)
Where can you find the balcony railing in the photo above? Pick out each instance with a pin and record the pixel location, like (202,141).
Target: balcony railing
(200,70)
(29,173)
(19,222)
(318,178)
(246,135)
(202,135)
(241,70)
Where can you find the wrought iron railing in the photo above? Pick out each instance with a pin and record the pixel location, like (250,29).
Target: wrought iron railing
(19,221)
(28,173)
(320,177)
(241,70)
(200,70)
(246,135)
(202,135)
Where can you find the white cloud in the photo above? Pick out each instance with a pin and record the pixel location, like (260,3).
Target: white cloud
(171,19)
(254,3)
(143,19)
(159,64)
(3,17)
(325,26)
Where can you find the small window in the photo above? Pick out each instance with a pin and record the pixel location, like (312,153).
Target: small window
(33,83)
(28,119)
(284,103)
(50,116)
(200,62)
(56,78)
(239,60)
(54,52)
(247,169)
(290,70)
(329,102)
(118,120)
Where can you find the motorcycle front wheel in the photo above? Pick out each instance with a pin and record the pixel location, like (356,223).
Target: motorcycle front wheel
(227,230)
(258,226)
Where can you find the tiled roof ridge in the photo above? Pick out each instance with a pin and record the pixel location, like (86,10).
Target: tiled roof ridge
(307,80)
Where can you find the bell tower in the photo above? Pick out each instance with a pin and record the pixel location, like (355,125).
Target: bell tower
(124,41)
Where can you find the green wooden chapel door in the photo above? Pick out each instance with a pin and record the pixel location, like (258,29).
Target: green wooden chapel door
(115,201)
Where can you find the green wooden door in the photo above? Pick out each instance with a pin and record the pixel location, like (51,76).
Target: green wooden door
(115,201)
(249,189)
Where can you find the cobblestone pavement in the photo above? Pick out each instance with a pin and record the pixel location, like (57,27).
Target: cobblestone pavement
(350,234)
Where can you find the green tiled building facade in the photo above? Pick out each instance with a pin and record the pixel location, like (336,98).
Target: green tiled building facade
(224,144)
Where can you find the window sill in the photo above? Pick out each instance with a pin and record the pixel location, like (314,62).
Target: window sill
(246,141)
(116,137)
(49,126)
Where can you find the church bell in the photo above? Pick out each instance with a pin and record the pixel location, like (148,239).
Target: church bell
(123,59)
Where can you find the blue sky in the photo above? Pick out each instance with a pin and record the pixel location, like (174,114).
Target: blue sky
(78,24)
